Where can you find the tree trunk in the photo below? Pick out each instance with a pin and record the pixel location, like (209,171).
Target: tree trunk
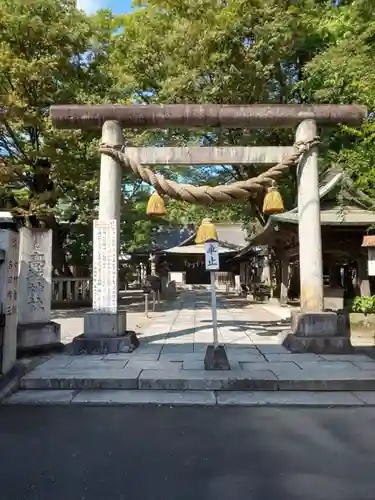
(59,234)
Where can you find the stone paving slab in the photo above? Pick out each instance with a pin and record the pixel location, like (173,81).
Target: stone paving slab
(265,365)
(280,358)
(201,348)
(353,358)
(330,365)
(271,349)
(249,348)
(40,397)
(58,362)
(115,357)
(193,365)
(82,379)
(171,349)
(245,356)
(148,348)
(192,356)
(183,341)
(297,398)
(260,341)
(199,365)
(78,364)
(154,365)
(326,380)
(367,397)
(172,398)
(191,398)
(152,343)
(363,365)
(145,356)
(207,380)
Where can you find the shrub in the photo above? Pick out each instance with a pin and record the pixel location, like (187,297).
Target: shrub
(365,305)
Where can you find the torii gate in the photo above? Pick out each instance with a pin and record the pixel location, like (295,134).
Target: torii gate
(313,329)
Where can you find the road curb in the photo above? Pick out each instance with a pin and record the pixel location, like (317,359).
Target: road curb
(254,399)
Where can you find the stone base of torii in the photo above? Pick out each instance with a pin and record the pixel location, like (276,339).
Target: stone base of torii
(313,329)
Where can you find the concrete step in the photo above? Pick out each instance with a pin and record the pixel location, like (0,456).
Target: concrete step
(79,379)
(191,398)
(287,379)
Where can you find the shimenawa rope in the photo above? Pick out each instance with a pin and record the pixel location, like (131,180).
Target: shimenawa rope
(206,195)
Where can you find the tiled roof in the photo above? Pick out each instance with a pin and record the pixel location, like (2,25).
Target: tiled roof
(349,215)
(357,208)
(172,236)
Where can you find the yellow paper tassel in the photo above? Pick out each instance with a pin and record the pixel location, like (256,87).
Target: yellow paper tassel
(156,205)
(273,202)
(206,231)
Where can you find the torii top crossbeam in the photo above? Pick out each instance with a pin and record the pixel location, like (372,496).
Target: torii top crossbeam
(204,115)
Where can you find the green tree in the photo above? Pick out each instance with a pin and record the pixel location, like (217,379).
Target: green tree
(243,51)
(343,74)
(50,53)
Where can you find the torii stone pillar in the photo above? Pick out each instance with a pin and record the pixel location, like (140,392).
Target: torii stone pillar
(309,233)
(105,325)
(110,178)
(313,330)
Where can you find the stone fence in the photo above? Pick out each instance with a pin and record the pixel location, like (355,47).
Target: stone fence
(77,292)
(71,292)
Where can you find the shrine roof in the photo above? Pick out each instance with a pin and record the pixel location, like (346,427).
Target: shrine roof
(347,215)
(167,237)
(197,250)
(355,209)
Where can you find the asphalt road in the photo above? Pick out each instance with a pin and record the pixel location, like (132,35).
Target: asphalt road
(87,453)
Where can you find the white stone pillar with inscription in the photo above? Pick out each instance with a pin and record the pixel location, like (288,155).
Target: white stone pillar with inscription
(105,320)
(35,328)
(8,299)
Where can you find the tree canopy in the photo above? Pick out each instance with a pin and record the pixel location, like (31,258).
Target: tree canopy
(170,51)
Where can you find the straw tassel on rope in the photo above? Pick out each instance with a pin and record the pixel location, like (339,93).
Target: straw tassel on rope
(273,202)
(206,232)
(156,205)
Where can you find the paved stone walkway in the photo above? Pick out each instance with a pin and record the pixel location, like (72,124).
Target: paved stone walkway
(171,355)
(186,331)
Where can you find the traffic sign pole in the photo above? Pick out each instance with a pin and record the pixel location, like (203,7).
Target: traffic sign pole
(214,308)
(211,251)
(216,357)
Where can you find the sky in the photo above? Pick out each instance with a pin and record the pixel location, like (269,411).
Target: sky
(117,6)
